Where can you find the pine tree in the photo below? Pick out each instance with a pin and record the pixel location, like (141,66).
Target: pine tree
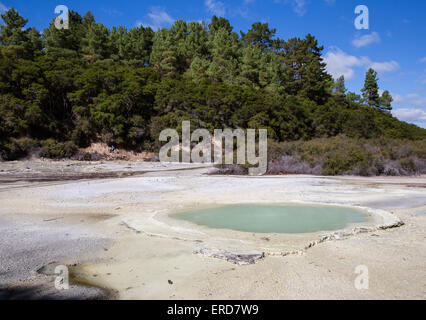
(195,43)
(250,65)
(339,90)
(198,69)
(225,50)
(304,71)
(96,43)
(12,32)
(88,19)
(117,38)
(220,23)
(66,41)
(386,101)
(17,42)
(371,89)
(138,44)
(259,35)
(339,86)
(353,97)
(164,56)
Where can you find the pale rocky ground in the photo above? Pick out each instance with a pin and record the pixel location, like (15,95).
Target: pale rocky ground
(115,234)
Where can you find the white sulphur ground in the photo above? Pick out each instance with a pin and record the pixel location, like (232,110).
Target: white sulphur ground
(148,248)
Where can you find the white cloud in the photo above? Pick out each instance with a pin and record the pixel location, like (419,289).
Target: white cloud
(410,115)
(366,40)
(215,7)
(384,66)
(158,17)
(340,63)
(417,100)
(423,60)
(299,6)
(412,96)
(3,8)
(412,99)
(397,98)
(242,11)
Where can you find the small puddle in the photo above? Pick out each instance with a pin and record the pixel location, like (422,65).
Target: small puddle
(289,219)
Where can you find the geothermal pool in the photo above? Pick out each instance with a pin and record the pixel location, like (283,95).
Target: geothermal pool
(275,218)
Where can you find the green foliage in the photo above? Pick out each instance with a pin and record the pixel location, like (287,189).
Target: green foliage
(17,148)
(57,150)
(259,36)
(351,156)
(386,101)
(69,88)
(66,39)
(371,89)
(96,42)
(12,32)
(16,42)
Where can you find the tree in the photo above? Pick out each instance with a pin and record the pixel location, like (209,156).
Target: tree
(17,42)
(339,86)
(219,23)
(195,43)
(250,65)
(259,35)
(138,44)
(198,69)
(304,72)
(386,101)
(53,97)
(35,43)
(96,42)
(88,19)
(224,50)
(12,32)
(371,89)
(339,90)
(353,97)
(65,40)
(118,40)
(164,55)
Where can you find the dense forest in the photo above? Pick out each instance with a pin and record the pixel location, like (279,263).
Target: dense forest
(61,90)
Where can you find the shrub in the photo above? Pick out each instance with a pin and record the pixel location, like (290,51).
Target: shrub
(232,169)
(293,165)
(57,150)
(349,156)
(16,149)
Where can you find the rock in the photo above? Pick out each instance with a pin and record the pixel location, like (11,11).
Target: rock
(340,235)
(396,224)
(239,258)
(358,230)
(170,282)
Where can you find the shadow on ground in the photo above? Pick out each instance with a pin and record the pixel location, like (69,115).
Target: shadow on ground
(41,292)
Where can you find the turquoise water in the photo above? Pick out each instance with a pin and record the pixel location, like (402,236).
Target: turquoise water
(274,219)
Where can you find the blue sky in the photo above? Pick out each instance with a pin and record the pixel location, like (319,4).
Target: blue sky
(394,44)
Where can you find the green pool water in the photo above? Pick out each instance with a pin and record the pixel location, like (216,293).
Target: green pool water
(274,219)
